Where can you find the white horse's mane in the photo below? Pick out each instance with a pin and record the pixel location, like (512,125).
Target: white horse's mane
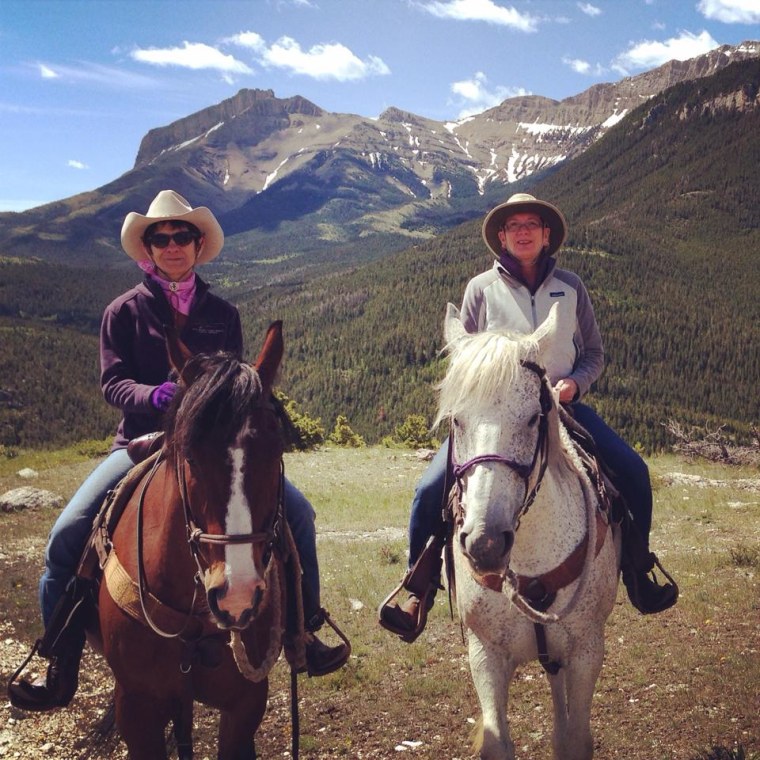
(481,366)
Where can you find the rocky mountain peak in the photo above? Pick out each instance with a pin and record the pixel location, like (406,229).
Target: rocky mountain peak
(394,114)
(260,111)
(263,162)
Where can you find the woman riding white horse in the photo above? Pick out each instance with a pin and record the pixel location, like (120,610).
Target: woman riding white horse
(516,294)
(536,560)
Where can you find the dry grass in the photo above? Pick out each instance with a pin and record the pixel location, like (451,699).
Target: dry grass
(674,686)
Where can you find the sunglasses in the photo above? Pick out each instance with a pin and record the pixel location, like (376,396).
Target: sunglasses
(181,238)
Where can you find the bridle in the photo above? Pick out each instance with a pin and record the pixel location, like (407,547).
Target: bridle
(197,536)
(535,611)
(274,538)
(528,472)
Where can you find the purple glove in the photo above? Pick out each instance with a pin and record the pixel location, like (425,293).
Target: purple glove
(161,395)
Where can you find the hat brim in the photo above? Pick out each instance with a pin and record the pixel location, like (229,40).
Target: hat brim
(135,224)
(550,215)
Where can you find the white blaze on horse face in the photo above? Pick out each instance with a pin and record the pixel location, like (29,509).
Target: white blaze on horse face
(241,574)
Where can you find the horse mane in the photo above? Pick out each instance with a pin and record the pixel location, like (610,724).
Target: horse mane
(481,365)
(216,405)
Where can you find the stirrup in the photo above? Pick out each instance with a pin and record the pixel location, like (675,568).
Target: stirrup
(334,626)
(12,680)
(425,604)
(422,580)
(346,650)
(57,689)
(634,592)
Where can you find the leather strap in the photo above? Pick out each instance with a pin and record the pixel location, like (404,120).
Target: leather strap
(569,570)
(125,593)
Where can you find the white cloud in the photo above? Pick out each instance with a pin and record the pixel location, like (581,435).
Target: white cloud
(46,72)
(324,61)
(250,40)
(731,11)
(649,54)
(481,10)
(194,55)
(93,73)
(475,96)
(76,164)
(580,66)
(590,10)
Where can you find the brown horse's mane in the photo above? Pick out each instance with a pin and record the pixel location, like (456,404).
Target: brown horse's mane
(215,405)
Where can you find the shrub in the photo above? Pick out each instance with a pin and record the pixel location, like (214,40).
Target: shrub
(342,435)
(310,430)
(415,433)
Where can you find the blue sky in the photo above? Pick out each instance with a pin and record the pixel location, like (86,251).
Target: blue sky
(82,81)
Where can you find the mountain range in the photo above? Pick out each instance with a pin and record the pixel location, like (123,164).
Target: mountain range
(270,167)
(664,213)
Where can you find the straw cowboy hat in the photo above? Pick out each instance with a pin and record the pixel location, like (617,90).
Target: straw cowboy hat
(168,205)
(522,203)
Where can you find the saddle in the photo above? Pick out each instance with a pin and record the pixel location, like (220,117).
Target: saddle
(601,476)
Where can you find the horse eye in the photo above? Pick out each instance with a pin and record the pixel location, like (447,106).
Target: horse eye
(533,420)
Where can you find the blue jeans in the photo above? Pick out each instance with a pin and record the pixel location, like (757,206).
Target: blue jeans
(70,532)
(631,478)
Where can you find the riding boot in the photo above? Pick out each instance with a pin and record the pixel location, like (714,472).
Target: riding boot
(321,658)
(637,565)
(62,644)
(422,581)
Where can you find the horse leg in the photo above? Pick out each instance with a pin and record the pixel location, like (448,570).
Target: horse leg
(141,722)
(237,729)
(572,693)
(183,730)
(492,673)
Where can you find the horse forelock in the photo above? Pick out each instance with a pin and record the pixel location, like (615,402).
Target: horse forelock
(482,367)
(216,405)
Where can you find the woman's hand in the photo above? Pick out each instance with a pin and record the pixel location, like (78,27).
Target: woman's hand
(567,390)
(162,395)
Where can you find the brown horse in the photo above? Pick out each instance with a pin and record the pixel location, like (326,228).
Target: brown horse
(191,593)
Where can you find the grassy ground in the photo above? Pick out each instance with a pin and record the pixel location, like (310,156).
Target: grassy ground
(673,686)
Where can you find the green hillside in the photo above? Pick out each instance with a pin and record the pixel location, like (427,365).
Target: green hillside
(664,220)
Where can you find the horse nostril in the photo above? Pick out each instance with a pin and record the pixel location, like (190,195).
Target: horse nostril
(509,539)
(463,539)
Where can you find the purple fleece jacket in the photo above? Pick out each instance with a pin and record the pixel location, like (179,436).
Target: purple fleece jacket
(133,357)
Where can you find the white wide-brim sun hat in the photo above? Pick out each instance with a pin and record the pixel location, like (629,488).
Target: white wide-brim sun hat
(169,205)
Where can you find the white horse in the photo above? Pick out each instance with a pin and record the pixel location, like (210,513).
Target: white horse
(536,561)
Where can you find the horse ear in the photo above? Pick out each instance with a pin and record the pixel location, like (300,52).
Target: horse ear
(547,330)
(452,324)
(179,353)
(271,355)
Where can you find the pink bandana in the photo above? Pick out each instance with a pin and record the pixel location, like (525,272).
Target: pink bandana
(179,294)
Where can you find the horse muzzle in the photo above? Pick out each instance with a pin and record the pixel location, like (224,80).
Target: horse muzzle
(487,553)
(232,613)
